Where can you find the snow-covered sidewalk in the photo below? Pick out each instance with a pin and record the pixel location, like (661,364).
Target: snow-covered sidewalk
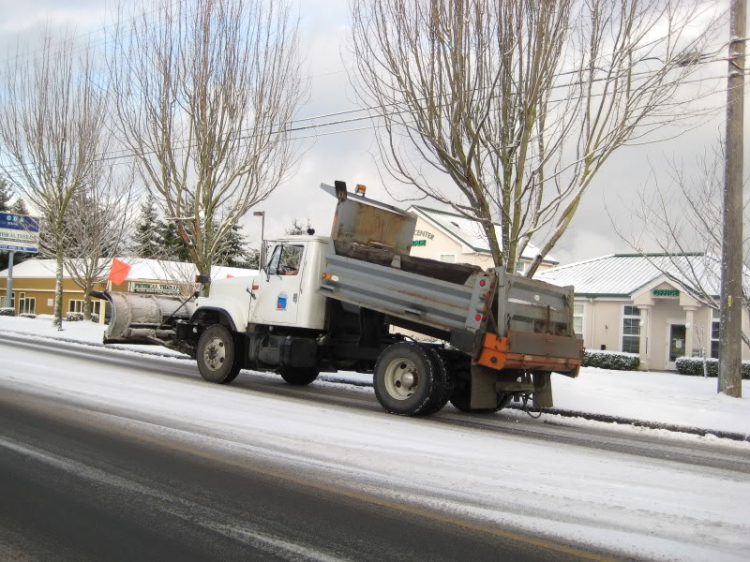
(666,398)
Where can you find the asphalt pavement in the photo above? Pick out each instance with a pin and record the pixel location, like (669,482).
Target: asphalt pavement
(77,484)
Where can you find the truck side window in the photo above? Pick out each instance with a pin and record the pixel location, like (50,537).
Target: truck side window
(286,260)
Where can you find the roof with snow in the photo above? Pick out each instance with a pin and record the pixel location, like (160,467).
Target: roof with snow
(140,268)
(621,275)
(470,232)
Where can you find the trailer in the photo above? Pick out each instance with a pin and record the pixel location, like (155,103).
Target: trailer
(357,300)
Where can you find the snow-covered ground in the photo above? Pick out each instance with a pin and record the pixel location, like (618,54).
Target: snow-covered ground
(649,396)
(638,505)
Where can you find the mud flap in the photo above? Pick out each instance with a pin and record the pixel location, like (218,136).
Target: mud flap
(542,390)
(483,393)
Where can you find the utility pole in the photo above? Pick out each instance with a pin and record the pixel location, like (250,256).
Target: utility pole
(730,380)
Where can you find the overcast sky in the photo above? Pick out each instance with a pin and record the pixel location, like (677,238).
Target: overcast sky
(340,153)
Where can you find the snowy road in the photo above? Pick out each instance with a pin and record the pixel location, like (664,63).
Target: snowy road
(121,447)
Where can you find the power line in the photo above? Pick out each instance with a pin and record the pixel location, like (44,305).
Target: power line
(125,153)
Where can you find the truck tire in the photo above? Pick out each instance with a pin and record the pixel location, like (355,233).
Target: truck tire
(299,376)
(409,381)
(217,355)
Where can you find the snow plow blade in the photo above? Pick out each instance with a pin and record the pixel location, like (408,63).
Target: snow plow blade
(144,319)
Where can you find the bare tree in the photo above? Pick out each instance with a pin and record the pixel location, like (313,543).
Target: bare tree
(683,219)
(97,228)
(520,103)
(52,111)
(205,90)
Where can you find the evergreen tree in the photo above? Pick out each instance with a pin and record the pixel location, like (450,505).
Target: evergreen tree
(173,247)
(234,252)
(5,196)
(149,239)
(19,207)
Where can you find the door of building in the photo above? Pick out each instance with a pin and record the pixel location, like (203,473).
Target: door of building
(676,349)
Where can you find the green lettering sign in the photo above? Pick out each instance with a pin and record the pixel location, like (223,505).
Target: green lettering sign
(419,243)
(666,293)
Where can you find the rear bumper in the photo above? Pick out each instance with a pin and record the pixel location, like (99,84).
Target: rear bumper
(532,351)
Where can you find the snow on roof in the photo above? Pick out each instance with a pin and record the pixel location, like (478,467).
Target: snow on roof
(140,268)
(470,232)
(624,274)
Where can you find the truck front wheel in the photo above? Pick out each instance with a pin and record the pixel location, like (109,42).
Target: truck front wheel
(217,355)
(409,381)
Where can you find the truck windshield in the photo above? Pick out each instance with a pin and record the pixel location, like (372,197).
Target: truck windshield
(286,259)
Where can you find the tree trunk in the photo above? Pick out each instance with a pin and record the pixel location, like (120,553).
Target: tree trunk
(87,304)
(59,287)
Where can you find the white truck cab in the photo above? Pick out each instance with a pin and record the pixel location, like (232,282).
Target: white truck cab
(285,291)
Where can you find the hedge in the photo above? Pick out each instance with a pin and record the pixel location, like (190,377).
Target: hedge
(27,315)
(74,316)
(611,360)
(694,366)
(7,311)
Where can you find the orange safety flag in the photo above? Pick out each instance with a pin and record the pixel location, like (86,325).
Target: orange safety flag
(119,272)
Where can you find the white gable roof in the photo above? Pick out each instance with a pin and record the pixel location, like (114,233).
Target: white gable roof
(140,268)
(623,274)
(470,232)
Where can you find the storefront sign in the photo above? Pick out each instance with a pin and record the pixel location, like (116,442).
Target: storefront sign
(19,233)
(666,293)
(155,288)
(419,243)
(424,233)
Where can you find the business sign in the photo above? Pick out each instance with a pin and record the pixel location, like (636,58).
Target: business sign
(419,243)
(155,288)
(19,233)
(666,293)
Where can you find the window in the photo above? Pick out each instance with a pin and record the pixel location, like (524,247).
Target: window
(521,267)
(631,329)
(4,299)
(578,309)
(75,306)
(286,260)
(715,328)
(447,258)
(26,305)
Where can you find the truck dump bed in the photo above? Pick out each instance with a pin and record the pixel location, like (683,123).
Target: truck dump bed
(489,313)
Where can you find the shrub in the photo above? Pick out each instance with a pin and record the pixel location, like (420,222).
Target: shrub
(27,315)
(74,316)
(611,360)
(694,366)
(95,318)
(7,311)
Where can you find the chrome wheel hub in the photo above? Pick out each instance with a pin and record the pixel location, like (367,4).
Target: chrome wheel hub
(401,379)
(215,354)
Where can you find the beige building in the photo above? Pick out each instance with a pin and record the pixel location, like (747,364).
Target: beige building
(624,302)
(452,238)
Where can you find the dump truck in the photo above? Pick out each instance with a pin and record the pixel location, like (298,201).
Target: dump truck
(429,332)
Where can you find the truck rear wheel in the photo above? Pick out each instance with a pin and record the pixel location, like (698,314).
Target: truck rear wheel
(299,376)
(217,355)
(409,380)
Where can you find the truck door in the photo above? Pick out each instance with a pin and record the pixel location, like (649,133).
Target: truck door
(279,286)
